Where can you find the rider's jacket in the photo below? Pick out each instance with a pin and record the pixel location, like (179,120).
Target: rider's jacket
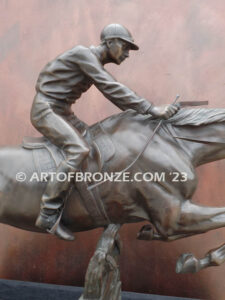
(73,72)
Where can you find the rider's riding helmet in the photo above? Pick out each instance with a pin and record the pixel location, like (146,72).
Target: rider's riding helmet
(118,31)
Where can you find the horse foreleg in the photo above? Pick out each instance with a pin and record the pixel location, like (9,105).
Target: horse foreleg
(196,219)
(188,263)
(174,219)
(147,233)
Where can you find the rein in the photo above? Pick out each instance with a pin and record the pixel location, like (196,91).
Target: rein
(181,104)
(199,140)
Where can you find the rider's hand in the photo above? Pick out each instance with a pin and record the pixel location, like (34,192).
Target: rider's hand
(164,111)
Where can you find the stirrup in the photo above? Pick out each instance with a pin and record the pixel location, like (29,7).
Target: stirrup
(60,230)
(54,227)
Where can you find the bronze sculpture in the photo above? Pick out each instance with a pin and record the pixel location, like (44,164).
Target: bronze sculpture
(59,85)
(190,138)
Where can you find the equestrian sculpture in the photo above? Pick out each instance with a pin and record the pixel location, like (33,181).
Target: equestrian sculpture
(134,143)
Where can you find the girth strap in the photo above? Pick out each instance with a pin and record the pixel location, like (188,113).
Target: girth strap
(93,203)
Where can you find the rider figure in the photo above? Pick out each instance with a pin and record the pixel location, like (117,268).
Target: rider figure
(60,84)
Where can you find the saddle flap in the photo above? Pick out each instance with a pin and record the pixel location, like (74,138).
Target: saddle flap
(34,142)
(102,143)
(105,146)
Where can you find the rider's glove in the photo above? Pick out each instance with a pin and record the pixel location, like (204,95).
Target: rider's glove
(164,111)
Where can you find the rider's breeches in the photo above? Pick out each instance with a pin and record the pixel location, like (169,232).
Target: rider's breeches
(56,121)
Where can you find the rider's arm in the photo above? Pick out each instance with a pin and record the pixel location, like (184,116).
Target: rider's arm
(116,92)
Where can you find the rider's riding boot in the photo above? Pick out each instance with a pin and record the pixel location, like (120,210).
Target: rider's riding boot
(52,204)
(47,220)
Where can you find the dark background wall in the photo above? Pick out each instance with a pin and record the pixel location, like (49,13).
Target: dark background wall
(182,50)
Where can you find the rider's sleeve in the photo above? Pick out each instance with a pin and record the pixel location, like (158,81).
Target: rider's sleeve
(116,92)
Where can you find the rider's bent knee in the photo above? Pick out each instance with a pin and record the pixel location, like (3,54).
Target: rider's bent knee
(84,150)
(78,152)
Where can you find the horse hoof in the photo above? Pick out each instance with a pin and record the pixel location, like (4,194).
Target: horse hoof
(187,263)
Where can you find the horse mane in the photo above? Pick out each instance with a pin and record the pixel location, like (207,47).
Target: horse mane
(197,116)
(184,117)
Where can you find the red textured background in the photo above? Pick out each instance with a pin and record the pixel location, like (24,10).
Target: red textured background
(182,50)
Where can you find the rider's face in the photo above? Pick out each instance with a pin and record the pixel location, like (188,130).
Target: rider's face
(118,50)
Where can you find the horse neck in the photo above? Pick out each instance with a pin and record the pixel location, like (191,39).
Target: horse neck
(208,142)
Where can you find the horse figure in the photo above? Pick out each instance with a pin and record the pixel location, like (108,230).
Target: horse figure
(189,139)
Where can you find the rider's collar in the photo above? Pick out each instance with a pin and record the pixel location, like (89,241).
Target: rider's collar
(96,53)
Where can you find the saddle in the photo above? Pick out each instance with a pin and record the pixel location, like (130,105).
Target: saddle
(47,157)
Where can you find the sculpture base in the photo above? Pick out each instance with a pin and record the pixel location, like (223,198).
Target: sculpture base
(20,290)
